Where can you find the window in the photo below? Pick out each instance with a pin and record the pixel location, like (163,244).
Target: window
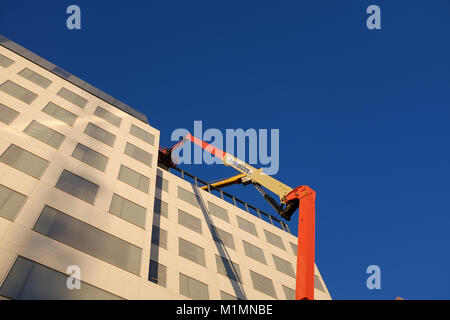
(162,183)
(7,115)
(157,273)
(5,62)
(283,266)
(159,237)
(193,289)
(59,113)
(318,283)
(88,239)
(254,252)
(72,97)
(128,210)
(294,248)
(24,161)
(100,134)
(161,207)
(77,186)
(133,178)
(246,226)
(228,268)
(35,78)
(218,212)
(191,251)
(189,221)
(26,278)
(138,154)
(142,134)
(90,157)
(18,92)
(187,196)
(274,239)
(223,237)
(263,284)
(10,203)
(289,293)
(226,296)
(44,134)
(108,116)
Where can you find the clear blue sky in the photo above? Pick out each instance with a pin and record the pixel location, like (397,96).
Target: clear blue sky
(363,115)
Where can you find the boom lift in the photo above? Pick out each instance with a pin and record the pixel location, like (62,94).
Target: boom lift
(302,198)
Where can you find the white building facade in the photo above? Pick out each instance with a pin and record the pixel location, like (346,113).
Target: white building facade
(86,213)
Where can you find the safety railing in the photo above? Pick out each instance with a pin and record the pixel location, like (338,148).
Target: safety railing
(230,198)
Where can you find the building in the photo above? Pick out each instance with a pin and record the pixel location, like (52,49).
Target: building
(81,196)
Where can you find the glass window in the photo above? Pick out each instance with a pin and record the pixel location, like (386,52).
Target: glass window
(161,207)
(29,280)
(274,239)
(88,239)
(226,296)
(142,134)
(218,212)
(18,92)
(254,252)
(193,289)
(100,134)
(294,248)
(7,115)
(263,284)
(228,268)
(191,251)
(246,226)
(5,62)
(108,116)
(35,78)
(189,221)
(187,196)
(138,154)
(44,134)
(134,179)
(283,266)
(223,237)
(159,237)
(162,183)
(24,161)
(318,283)
(72,97)
(10,203)
(289,293)
(157,273)
(77,186)
(90,157)
(128,210)
(59,113)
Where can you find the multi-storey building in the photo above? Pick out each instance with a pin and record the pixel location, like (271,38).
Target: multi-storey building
(82,196)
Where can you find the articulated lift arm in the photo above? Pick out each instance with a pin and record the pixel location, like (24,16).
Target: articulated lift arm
(301,197)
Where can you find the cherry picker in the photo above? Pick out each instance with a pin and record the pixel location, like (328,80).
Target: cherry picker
(302,198)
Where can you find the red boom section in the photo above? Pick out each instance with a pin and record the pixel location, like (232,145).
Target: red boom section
(306,229)
(206,146)
(306,241)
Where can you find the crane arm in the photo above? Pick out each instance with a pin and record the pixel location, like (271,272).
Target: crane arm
(302,197)
(256,175)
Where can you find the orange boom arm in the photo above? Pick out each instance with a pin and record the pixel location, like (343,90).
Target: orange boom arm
(302,197)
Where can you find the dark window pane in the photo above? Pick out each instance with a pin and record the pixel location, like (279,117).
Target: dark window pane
(77,186)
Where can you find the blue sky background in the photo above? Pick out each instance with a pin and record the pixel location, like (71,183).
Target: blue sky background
(363,115)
